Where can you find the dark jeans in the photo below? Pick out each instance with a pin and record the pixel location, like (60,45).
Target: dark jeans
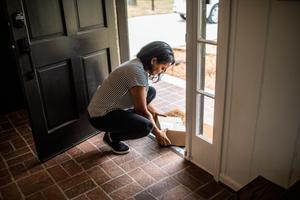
(125,124)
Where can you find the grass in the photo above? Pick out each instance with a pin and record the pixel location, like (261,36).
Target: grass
(179,69)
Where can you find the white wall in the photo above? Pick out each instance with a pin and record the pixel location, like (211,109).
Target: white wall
(262,117)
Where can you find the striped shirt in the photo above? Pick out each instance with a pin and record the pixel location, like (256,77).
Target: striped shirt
(114,94)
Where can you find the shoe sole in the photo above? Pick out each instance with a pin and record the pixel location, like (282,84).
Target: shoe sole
(117,152)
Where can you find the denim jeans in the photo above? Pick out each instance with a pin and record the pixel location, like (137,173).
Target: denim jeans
(125,124)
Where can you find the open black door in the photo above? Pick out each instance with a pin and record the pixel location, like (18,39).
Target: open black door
(65,48)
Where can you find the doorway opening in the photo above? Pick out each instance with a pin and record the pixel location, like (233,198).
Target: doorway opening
(10,83)
(159,21)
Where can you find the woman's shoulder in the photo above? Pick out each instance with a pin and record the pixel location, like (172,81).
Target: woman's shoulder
(134,65)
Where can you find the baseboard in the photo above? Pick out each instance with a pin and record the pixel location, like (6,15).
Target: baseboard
(230,182)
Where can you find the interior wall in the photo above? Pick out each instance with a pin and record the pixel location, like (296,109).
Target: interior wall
(262,119)
(10,88)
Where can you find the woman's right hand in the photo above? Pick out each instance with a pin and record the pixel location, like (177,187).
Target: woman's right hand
(162,138)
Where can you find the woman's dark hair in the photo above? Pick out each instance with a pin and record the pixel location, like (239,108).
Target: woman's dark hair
(161,50)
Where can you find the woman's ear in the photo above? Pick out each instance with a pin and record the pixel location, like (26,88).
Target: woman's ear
(153,61)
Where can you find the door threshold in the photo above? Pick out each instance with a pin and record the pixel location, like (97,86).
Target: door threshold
(178,150)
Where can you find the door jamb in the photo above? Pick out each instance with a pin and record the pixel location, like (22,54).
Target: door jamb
(122,23)
(221,81)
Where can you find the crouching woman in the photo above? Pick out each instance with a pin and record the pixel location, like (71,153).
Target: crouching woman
(121,105)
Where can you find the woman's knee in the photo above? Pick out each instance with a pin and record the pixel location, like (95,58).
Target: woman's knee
(94,123)
(151,94)
(147,128)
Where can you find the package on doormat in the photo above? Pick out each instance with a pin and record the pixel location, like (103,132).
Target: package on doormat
(175,129)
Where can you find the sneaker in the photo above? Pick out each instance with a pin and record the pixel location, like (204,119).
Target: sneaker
(116,146)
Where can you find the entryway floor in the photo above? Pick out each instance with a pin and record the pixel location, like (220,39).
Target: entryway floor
(169,96)
(90,171)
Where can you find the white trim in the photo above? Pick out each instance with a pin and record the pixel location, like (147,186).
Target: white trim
(260,91)
(230,182)
(229,90)
(221,81)
(191,60)
(205,138)
(122,27)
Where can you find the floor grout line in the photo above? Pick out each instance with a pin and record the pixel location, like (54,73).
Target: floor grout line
(146,143)
(8,167)
(217,193)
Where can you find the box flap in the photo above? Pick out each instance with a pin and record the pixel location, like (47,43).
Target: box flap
(171,123)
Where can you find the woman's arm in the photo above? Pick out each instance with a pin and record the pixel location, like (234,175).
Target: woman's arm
(152,110)
(138,94)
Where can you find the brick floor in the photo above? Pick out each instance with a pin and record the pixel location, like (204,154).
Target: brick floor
(169,97)
(91,171)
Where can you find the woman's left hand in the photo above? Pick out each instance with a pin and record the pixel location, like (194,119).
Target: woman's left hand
(162,138)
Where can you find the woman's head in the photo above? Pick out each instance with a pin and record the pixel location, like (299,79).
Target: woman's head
(156,57)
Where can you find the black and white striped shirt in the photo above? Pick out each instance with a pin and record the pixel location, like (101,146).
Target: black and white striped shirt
(114,93)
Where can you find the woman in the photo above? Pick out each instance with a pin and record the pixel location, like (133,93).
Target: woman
(120,106)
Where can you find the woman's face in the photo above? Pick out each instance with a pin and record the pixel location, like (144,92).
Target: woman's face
(158,68)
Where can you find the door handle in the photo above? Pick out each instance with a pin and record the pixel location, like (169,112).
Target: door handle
(18,20)
(24,47)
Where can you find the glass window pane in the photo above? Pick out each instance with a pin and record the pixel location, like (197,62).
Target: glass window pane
(207,117)
(208,19)
(210,68)
(207,68)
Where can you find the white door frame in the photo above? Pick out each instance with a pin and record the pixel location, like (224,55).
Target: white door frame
(211,161)
(122,25)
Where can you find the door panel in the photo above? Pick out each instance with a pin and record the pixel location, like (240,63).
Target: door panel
(90,15)
(96,69)
(38,19)
(58,99)
(73,47)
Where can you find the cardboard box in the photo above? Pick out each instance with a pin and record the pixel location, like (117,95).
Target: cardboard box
(175,129)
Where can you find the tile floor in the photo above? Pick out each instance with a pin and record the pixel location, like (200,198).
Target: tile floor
(89,171)
(169,97)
